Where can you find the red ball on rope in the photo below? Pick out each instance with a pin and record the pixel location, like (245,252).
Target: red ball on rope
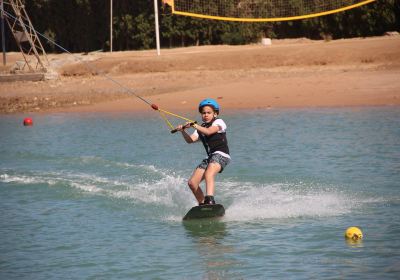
(28,122)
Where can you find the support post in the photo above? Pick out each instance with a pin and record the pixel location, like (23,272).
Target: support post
(157,27)
(111,25)
(3,36)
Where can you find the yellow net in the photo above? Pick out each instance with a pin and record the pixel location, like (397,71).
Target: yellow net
(261,10)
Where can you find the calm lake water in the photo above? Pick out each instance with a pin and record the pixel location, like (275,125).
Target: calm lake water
(102,196)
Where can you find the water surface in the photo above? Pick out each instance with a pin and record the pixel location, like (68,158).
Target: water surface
(101,196)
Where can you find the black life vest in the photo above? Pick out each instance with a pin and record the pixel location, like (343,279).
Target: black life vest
(214,142)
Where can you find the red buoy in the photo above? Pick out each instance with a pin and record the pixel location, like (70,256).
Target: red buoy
(28,122)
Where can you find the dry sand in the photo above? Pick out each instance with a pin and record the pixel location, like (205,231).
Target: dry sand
(289,73)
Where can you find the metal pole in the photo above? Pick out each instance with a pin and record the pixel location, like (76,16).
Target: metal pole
(3,36)
(157,31)
(111,25)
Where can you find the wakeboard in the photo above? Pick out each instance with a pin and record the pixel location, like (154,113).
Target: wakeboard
(205,211)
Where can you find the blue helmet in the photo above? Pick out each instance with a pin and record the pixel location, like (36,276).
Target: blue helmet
(209,102)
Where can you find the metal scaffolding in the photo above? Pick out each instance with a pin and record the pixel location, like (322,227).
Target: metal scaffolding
(26,37)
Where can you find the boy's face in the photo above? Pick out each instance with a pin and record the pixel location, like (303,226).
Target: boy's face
(208,114)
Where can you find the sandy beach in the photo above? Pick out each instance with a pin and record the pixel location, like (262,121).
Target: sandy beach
(289,73)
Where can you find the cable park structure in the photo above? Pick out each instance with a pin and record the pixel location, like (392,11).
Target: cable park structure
(35,63)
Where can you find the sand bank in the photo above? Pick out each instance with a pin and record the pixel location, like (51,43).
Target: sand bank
(290,73)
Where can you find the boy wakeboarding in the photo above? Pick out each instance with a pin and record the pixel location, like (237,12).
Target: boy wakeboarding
(212,133)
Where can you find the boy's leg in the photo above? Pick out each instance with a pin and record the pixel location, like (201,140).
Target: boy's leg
(194,184)
(212,170)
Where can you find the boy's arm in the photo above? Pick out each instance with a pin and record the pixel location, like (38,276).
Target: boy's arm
(188,138)
(207,131)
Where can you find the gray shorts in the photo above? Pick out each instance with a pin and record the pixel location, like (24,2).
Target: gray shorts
(217,158)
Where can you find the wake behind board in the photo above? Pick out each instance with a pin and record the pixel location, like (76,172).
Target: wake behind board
(205,211)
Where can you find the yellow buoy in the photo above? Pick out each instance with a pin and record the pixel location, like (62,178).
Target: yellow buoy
(353,233)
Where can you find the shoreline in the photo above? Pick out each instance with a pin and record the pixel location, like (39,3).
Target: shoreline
(289,74)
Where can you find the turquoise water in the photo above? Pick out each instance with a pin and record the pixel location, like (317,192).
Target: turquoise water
(101,196)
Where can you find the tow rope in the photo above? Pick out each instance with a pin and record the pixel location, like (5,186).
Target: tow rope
(162,114)
(128,90)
